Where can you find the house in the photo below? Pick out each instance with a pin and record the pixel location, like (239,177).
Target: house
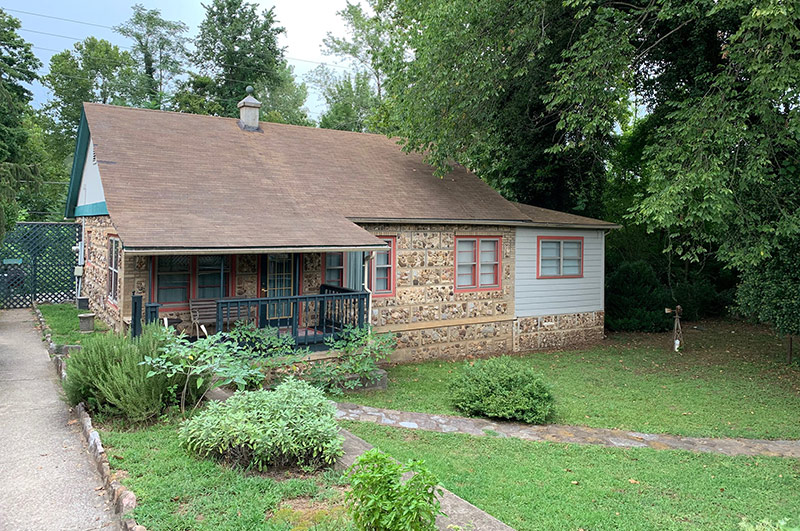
(309,230)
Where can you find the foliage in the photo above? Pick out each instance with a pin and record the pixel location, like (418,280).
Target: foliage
(93,71)
(285,102)
(195,95)
(196,368)
(771,292)
(159,49)
(539,485)
(635,299)
(351,101)
(731,381)
(359,353)
(178,491)
(237,47)
(499,388)
(65,325)
(381,501)
(294,425)
(107,374)
(18,67)
(258,343)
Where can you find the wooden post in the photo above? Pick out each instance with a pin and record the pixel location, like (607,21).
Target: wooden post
(136,314)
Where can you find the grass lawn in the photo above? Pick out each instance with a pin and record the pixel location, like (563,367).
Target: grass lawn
(531,485)
(731,381)
(63,320)
(175,491)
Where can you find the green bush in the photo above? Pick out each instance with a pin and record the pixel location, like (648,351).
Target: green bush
(635,299)
(294,425)
(381,501)
(257,343)
(501,389)
(108,376)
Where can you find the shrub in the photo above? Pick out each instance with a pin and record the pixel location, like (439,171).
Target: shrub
(501,389)
(292,425)
(108,376)
(256,343)
(635,299)
(381,501)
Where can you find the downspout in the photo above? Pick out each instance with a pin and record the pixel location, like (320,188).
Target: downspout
(368,258)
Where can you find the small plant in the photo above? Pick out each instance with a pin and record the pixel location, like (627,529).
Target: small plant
(258,343)
(360,352)
(198,367)
(108,376)
(381,501)
(501,389)
(294,425)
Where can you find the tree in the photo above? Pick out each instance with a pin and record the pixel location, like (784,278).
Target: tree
(196,96)
(94,71)
(351,101)
(370,37)
(473,91)
(18,67)
(284,102)
(237,47)
(159,49)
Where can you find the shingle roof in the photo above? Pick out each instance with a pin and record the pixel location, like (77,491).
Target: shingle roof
(543,217)
(175,180)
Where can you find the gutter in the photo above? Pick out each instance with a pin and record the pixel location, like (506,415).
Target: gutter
(178,251)
(496,222)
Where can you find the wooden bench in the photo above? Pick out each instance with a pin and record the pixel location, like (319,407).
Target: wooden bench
(204,313)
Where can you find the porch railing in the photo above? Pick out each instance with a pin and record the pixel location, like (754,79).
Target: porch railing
(309,319)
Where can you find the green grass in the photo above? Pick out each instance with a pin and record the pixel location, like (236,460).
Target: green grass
(175,491)
(531,485)
(731,381)
(63,321)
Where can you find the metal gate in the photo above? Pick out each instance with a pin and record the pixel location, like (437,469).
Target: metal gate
(37,263)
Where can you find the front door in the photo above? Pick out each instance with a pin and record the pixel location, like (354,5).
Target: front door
(279,275)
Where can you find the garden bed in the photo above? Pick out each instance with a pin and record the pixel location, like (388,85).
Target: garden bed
(532,485)
(65,325)
(731,381)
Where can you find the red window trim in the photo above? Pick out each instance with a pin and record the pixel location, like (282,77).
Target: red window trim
(110,236)
(477,286)
(393,271)
(183,306)
(325,268)
(539,240)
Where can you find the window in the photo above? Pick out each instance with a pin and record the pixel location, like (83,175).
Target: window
(560,257)
(173,279)
(113,269)
(381,280)
(477,263)
(213,274)
(334,269)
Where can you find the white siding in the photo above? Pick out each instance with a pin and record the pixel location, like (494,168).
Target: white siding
(548,296)
(91,190)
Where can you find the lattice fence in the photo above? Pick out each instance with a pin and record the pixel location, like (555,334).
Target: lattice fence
(37,263)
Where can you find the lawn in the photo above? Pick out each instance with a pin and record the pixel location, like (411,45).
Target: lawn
(63,320)
(175,491)
(531,485)
(731,381)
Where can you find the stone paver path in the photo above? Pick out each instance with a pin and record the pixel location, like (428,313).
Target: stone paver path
(566,434)
(47,480)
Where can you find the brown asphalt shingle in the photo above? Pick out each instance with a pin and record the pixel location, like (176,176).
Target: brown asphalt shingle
(542,217)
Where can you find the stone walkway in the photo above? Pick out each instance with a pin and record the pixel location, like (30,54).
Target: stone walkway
(47,480)
(566,434)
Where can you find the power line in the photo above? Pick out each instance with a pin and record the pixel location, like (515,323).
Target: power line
(58,18)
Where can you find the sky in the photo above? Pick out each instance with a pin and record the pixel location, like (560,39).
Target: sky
(306,22)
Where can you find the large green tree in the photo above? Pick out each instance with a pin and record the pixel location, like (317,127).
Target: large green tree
(285,101)
(93,71)
(18,67)
(466,82)
(351,101)
(159,49)
(236,47)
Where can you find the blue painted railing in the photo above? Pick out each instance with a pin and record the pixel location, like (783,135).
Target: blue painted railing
(309,318)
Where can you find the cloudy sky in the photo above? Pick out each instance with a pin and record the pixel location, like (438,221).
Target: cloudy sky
(306,23)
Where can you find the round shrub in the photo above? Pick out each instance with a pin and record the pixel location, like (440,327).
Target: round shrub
(294,425)
(501,389)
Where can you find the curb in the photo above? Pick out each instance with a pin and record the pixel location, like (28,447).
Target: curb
(123,499)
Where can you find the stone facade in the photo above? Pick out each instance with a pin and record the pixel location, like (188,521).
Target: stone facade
(97,230)
(551,332)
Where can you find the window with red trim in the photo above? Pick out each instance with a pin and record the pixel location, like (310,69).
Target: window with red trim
(213,277)
(560,257)
(334,269)
(382,275)
(113,269)
(172,279)
(477,262)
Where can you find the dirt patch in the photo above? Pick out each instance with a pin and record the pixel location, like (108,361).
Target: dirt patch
(307,512)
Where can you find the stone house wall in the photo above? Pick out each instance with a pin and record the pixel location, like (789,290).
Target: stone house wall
(96,233)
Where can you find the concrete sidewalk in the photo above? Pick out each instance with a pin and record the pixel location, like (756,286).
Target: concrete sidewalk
(47,480)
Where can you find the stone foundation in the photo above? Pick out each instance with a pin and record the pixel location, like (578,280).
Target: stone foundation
(552,332)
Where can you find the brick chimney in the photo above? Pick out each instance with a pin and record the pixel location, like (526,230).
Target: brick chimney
(248,111)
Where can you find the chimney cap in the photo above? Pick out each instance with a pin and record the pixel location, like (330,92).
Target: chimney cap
(249,100)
